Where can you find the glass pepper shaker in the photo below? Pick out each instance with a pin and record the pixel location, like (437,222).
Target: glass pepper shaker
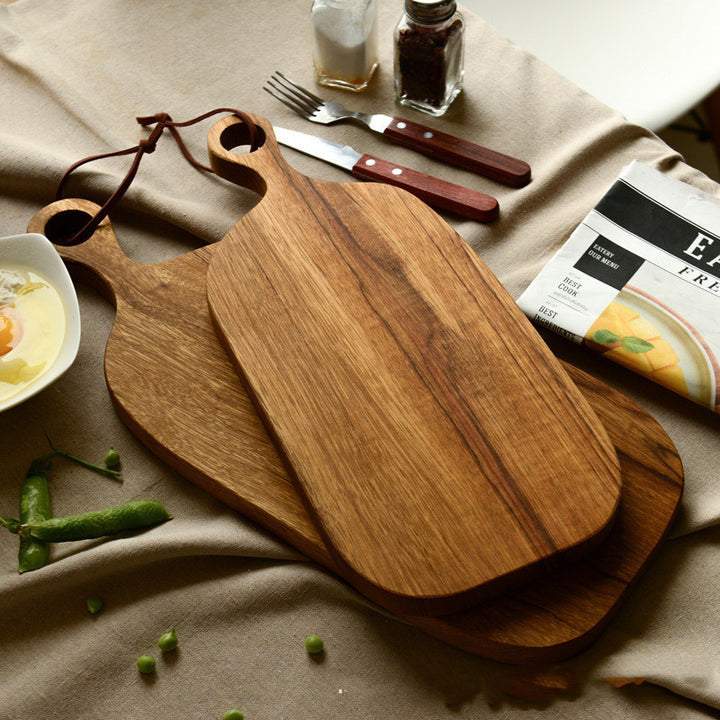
(429,55)
(345,46)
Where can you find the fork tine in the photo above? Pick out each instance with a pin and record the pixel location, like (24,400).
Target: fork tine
(286,101)
(294,101)
(295,88)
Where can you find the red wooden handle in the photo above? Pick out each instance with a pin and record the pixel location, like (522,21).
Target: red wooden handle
(467,155)
(438,193)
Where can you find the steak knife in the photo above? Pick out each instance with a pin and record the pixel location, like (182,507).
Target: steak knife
(437,193)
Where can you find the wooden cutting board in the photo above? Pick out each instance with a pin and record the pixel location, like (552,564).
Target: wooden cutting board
(175,388)
(436,440)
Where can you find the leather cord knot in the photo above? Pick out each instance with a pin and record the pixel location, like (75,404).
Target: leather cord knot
(160,122)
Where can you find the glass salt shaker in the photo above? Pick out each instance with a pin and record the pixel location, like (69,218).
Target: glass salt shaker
(345,46)
(429,55)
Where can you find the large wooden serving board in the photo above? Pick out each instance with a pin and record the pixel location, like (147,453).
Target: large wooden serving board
(176,389)
(436,440)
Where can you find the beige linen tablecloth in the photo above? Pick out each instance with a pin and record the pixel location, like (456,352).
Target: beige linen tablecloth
(74,75)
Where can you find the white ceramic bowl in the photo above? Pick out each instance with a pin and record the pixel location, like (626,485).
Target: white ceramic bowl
(36,253)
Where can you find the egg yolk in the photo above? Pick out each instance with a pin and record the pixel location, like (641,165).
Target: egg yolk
(7,332)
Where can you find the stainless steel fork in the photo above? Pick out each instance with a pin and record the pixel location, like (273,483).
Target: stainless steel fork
(316,109)
(436,144)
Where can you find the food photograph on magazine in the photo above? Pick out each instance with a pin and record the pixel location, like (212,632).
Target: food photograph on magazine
(638,281)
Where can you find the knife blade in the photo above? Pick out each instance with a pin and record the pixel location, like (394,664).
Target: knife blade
(438,193)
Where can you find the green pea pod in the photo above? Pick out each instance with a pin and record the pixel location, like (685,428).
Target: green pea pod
(130,516)
(34,507)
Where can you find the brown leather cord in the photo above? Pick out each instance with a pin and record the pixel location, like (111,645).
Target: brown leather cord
(148,145)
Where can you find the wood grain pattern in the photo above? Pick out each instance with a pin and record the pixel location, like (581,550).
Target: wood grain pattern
(175,388)
(434,437)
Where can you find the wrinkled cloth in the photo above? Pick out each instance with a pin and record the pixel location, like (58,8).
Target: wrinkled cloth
(74,76)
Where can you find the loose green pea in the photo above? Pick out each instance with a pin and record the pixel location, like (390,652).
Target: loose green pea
(94,604)
(146,664)
(313,644)
(233,715)
(112,459)
(168,641)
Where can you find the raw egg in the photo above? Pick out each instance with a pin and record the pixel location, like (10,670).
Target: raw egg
(8,331)
(32,328)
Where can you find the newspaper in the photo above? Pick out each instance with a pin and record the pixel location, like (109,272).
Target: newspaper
(639,282)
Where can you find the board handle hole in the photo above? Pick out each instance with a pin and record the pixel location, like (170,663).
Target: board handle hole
(61,228)
(236,138)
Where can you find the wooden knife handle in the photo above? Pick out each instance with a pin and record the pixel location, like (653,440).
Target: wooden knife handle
(437,193)
(453,150)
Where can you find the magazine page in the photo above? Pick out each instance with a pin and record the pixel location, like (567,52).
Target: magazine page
(639,282)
